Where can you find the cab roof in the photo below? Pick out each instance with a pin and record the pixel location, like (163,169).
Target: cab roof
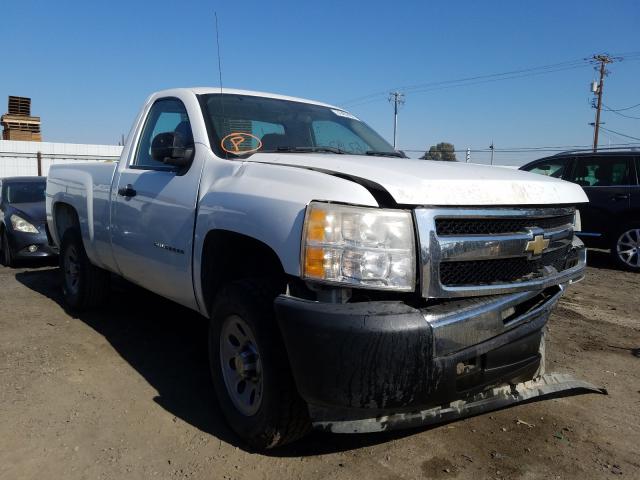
(234,91)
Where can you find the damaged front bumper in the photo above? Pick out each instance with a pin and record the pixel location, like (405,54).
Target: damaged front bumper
(546,385)
(372,366)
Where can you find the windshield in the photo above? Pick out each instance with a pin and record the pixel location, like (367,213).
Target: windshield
(24,192)
(240,125)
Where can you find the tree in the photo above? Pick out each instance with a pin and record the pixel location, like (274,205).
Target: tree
(443,151)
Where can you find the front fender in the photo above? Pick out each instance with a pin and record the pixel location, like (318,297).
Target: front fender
(265,202)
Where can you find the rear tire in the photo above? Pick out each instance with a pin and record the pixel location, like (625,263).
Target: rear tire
(7,254)
(250,369)
(84,285)
(625,249)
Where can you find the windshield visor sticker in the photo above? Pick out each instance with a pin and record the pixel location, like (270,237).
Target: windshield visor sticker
(342,113)
(239,143)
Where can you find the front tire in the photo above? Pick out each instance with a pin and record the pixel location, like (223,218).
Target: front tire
(7,254)
(250,370)
(626,248)
(84,285)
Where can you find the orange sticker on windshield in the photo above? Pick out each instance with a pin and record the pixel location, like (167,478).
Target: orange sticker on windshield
(240,142)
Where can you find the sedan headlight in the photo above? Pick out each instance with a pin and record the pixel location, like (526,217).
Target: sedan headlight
(359,247)
(21,225)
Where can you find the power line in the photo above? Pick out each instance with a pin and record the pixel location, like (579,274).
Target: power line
(478,82)
(550,68)
(480,79)
(622,109)
(618,133)
(607,109)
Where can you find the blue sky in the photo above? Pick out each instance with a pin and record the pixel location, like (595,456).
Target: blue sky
(89,65)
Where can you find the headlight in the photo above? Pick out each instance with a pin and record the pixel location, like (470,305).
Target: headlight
(359,247)
(21,225)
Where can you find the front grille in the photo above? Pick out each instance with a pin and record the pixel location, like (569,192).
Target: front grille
(494,226)
(475,251)
(504,270)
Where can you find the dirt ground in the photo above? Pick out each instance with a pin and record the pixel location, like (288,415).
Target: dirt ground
(125,393)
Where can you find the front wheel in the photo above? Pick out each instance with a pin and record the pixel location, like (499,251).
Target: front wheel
(7,255)
(249,367)
(626,248)
(83,284)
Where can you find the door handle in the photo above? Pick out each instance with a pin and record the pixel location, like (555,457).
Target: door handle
(127,191)
(620,196)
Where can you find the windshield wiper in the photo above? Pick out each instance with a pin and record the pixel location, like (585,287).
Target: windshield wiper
(376,153)
(285,149)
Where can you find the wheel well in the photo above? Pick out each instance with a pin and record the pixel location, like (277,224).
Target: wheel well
(64,217)
(229,256)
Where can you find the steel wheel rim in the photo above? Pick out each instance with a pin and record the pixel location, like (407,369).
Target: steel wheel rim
(628,247)
(71,269)
(241,365)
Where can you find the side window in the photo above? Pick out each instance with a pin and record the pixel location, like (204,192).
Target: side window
(601,171)
(166,115)
(551,168)
(332,134)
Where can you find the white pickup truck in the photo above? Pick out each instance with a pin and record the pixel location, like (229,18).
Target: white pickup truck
(348,288)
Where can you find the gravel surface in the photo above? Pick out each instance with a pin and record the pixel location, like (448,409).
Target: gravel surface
(124,393)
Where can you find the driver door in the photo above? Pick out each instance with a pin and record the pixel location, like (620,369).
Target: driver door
(154,210)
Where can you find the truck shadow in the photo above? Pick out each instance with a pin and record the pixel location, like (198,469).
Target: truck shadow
(167,345)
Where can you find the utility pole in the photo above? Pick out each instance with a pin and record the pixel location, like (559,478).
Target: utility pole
(491,147)
(398,99)
(603,60)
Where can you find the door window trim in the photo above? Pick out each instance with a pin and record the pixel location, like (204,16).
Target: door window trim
(630,164)
(134,155)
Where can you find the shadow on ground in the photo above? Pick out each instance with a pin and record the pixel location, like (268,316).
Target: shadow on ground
(601,259)
(167,345)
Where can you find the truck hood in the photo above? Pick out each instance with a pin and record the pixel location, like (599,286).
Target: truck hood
(427,182)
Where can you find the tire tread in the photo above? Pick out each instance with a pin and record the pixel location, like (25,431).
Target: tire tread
(291,421)
(95,291)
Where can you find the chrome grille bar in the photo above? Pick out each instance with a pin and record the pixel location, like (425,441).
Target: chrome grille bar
(558,240)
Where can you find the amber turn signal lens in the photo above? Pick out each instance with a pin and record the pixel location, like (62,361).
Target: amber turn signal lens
(315,227)
(314,262)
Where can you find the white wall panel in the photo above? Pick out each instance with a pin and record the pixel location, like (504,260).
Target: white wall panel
(20,158)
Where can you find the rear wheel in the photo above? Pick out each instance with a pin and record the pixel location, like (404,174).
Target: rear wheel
(7,255)
(250,370)
(83,284)
(626,248)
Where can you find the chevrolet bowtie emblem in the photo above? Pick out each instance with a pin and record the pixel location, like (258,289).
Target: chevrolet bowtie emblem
(537,245)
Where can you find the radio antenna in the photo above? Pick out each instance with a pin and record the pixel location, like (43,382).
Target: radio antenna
(220,79)
(218,43)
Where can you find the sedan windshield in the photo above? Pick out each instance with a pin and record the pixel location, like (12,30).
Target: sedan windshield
(24,192)
(240,125)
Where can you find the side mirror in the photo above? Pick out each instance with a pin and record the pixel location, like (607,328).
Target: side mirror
(169,148)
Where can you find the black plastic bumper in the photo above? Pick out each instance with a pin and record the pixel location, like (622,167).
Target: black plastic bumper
(20,243)
(368,359)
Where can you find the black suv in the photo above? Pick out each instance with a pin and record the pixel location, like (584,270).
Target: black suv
(611,219)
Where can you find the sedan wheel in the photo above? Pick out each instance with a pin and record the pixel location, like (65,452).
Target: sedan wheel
(627,248)
(7,257)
